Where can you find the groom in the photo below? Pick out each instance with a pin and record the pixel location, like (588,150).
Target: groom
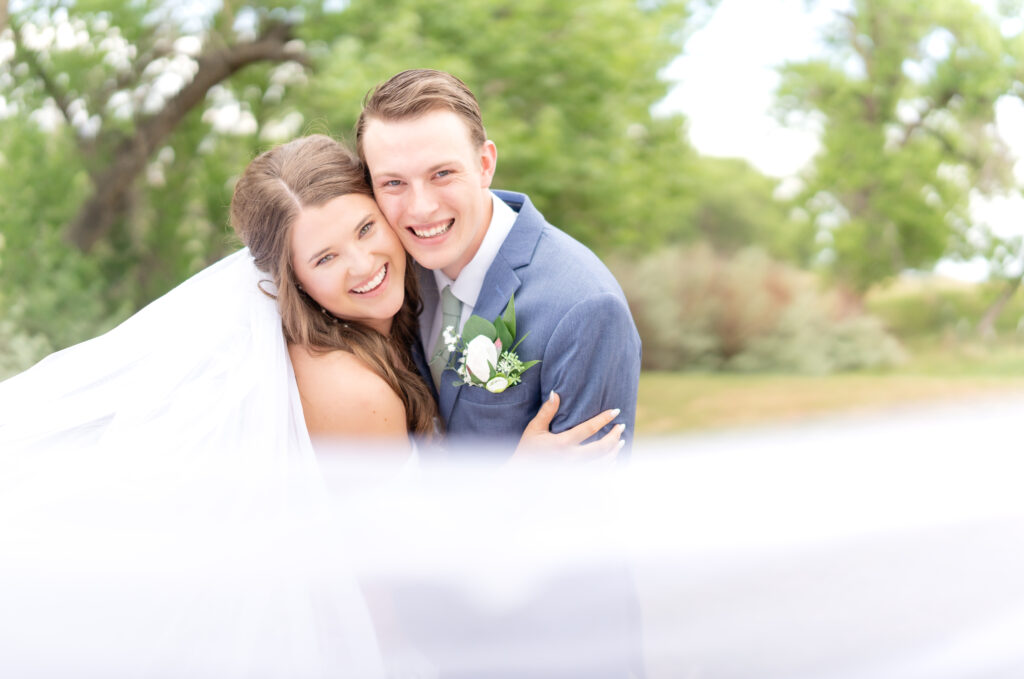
(422,139)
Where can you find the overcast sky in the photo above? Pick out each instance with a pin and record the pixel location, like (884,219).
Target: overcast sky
(726,80)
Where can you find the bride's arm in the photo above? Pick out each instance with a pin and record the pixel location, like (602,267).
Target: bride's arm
(342,397)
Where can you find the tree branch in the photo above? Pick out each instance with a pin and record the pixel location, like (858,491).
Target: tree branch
(951,148)
(111,184)
(938,105)
(987,324)
(129,77)
(59,96)
(214,68)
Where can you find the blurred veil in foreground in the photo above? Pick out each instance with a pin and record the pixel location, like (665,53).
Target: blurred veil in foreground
(163,514)
(846,550)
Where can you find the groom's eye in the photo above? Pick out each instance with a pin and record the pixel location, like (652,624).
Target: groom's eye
(392,182)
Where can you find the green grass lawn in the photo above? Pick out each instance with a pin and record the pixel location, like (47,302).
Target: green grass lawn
(678,402)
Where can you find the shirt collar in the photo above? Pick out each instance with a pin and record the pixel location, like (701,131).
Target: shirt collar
(471,279)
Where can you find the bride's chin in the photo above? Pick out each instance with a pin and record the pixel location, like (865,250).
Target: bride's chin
(388,312)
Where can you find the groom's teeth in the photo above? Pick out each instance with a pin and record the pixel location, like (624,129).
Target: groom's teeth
(436,231)
(372,285)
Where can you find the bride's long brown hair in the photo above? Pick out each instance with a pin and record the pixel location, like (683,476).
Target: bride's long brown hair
(275,187)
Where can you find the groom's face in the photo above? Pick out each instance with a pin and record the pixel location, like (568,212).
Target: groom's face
(431,183)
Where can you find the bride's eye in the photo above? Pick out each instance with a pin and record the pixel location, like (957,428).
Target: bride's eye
(325,258)
(367,227)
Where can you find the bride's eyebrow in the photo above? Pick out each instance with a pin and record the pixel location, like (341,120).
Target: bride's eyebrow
(367,218)
(317,255)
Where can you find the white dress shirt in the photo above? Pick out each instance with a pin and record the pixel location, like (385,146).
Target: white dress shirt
(471,279)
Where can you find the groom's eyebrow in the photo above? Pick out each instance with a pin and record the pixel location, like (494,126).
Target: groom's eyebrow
(443,164)
(430,170)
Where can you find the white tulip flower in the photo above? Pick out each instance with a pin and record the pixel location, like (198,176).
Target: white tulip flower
(481,356)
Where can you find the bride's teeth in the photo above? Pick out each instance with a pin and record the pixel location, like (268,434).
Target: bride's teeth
(436,231)
(377,280)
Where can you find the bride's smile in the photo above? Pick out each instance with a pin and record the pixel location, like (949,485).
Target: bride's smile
(374,284)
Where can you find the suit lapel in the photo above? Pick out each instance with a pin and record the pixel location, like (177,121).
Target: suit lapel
(429,297)
(501,280)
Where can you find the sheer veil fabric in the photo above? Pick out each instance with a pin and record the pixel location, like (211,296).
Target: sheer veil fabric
(162,514)
(205,367)
(149,484)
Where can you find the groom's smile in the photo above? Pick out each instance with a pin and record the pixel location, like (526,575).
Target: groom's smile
(432,230)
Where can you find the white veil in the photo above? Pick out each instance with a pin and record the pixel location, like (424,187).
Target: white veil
(205,367)
(162,515)
(147,477)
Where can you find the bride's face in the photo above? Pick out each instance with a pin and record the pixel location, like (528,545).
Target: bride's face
(348,259)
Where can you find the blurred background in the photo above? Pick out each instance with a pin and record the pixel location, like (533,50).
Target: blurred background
(811,206)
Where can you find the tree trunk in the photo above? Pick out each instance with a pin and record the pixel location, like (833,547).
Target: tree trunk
(111,184)
(987,324)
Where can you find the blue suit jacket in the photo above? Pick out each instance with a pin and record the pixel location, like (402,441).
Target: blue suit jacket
(579,326)
(582,331)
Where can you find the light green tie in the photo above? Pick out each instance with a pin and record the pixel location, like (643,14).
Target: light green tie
(451,314)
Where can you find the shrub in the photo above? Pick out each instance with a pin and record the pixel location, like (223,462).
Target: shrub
(935,307)
(697,310)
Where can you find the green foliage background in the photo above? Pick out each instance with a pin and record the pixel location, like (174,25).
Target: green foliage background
(567,90)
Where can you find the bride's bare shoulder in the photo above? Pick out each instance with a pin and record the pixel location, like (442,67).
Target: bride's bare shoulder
(342,396)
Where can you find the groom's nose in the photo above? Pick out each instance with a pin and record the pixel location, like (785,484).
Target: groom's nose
(422,203)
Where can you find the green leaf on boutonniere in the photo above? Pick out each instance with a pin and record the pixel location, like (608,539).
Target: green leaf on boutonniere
(478,326)
(529,364)
(509,318)
(503,333)
(518,342)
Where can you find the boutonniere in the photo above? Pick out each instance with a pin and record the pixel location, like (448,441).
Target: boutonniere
(483,359)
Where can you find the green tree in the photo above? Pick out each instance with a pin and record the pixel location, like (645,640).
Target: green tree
(905,99)
(735,207)
(123,125)
(107,156)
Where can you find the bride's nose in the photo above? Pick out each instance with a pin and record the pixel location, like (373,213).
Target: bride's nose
(360,263)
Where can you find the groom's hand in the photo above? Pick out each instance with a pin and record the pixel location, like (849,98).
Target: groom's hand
(537,436)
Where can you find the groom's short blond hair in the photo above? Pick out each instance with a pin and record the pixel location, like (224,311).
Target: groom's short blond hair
(415,92)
